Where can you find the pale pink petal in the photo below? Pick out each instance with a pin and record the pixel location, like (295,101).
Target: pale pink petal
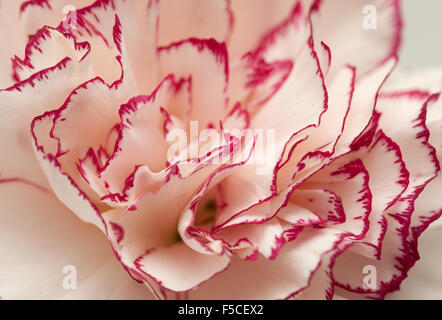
(18,110)
(174,267)
(352,40)
(409,131)
(399,243)
(389,177)
(144,230)
(421,79)
(241,193)
(348,179)
(237,118)
(286,41)
(205,61)
(252,81)
(89,168)
(33,221)
(9,20)
(363,103)
(272,279)
(340,94)
(252,20)
(201,19)
(135,39)
(266,237)
(141,180)
(25,17)
(424,280)
(325,136)
(52,12)
(298,215)
(298,103)
(434,124)
(47,47)
(140,132)
(68,191)
(324,203)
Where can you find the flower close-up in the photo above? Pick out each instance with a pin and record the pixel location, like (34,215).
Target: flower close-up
(215,149)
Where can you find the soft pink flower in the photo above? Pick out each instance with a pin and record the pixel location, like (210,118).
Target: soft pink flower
(89,110)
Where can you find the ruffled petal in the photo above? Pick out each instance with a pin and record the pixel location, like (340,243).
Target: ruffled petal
(281,278)
(298,103)
(424,281)
(140,132)
(174,267)
(357,21)
(20,104)
(206,63)
(363,103)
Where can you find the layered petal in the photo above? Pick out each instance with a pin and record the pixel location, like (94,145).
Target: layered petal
(69,246)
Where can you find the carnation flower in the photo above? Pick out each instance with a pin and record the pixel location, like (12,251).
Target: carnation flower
(212,149)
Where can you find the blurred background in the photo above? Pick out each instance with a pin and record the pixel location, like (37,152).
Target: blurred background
(422,38)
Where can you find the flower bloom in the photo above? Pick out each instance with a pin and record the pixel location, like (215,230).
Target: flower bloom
(338,174)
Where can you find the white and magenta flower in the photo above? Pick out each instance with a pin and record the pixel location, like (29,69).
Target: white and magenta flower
(340,171)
